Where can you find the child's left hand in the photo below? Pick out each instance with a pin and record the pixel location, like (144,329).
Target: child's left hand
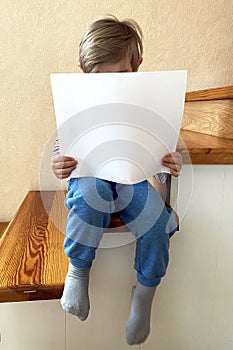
(174,162)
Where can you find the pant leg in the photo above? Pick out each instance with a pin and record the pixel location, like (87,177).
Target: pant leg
(151,223)
(90,202)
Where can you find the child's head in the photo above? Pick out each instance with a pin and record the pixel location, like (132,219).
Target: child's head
(109,40)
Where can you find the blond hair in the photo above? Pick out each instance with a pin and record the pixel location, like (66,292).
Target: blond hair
(109,40)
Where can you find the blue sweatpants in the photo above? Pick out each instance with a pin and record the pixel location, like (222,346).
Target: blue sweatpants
(91,202)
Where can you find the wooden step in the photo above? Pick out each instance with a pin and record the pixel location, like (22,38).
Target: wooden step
(219,93)
(3,226)
(198,148)
(214,117)
(210,112)
(206,136)
(33,264)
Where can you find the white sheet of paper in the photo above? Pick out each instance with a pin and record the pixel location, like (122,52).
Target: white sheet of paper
(119,125)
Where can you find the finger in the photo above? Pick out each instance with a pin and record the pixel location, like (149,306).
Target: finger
(172,160)
(62,159)
(173,155)
(174,168)
(64,165)
(66,171)
(174,173)
(63,173)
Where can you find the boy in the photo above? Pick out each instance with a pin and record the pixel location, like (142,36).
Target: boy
(110,45)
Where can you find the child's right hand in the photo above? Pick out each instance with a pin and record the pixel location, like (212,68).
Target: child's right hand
(63,166)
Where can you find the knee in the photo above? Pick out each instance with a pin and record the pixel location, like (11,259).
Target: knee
(89,192)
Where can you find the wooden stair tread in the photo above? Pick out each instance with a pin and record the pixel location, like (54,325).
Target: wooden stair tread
(199,148)
(219,93)
(206,136)
(3,226)
(212,117)
(32,260)
(33,264)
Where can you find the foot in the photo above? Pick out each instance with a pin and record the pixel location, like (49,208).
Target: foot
(75,298)
(138,325)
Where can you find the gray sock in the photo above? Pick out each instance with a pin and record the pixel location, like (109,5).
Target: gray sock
(75,299)
(138,325)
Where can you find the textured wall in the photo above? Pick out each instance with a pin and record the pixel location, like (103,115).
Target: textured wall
(40,37)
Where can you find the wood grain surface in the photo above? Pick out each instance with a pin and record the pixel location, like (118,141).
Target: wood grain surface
(213,117)
(210,94)
(33,264)
(197,148)
(3,226)
(206,136)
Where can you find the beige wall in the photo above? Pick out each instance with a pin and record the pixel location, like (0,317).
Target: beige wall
(40,37)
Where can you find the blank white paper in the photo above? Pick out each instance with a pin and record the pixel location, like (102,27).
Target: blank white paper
(119,125)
